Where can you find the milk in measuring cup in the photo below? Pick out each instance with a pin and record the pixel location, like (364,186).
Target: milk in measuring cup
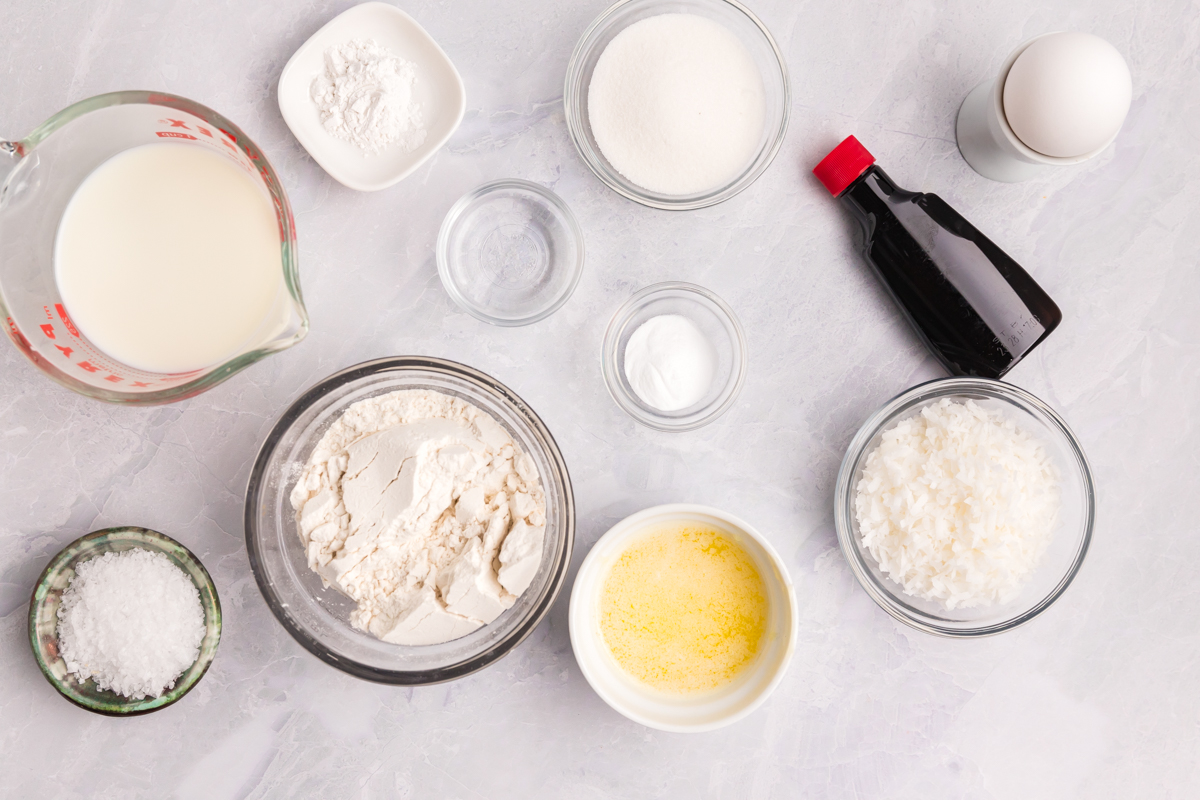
(168,259)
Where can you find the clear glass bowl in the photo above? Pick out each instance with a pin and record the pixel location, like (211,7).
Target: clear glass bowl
(510,252)
(740,21)
(715,320)
(319,618)
(47,597)
(1059,564)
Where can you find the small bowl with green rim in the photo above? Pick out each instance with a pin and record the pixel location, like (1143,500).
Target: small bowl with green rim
(47,597)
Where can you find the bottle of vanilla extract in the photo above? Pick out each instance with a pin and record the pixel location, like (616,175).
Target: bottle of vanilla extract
(975,308)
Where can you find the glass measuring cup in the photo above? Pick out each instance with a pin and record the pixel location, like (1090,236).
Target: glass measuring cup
(38,177)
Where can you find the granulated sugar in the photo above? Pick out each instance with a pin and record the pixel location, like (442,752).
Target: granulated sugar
(132,621)
(676,104)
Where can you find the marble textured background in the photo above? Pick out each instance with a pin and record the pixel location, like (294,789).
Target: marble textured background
(1099,698)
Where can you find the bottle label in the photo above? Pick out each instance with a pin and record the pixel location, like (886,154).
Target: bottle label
(974,276)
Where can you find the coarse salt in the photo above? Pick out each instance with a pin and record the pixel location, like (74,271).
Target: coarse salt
(132,621)
(958,504)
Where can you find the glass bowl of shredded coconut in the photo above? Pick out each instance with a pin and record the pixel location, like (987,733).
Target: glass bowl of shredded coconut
(964,507)
(677,104)
(409,520)
(124,621)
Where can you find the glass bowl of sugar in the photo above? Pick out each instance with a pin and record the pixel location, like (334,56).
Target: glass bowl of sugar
(59,577)
(677,104)
(964,507)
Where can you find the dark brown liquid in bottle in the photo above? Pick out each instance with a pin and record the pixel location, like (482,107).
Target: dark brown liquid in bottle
(976,309)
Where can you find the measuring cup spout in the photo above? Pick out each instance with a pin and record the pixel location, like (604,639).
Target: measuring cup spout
(10,154)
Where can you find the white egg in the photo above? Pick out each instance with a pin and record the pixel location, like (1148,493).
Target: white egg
(1067,94)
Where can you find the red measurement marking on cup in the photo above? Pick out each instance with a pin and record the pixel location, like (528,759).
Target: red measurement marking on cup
(90,352)
(174,123)
(175,135)
(18,337)
(62,314)
(101,362)
(94,361)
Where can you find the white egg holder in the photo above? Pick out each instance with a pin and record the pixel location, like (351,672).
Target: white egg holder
(988,143)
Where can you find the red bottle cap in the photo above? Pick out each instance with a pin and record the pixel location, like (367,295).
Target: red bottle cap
(843,165)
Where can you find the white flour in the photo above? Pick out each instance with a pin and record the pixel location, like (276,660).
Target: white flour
(421,508)
(365,96)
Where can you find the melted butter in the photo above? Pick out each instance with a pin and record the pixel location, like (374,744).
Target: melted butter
(683,609)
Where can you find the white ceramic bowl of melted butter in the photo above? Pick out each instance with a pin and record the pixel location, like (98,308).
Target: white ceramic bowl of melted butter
(698,711)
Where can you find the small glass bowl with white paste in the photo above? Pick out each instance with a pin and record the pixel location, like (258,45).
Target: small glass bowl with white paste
(319,617)
(716,322)
(1057,567)
(759,44)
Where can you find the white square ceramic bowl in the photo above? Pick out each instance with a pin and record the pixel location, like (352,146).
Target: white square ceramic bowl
(439,90)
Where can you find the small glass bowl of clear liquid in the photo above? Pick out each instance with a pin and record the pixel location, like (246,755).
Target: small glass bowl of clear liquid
(510,252)
(170,313)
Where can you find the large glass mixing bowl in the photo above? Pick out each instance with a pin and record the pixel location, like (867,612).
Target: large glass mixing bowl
(319,618)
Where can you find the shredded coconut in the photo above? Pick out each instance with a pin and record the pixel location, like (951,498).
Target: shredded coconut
(958,504)
(132,621)
(365,96)
(421,508)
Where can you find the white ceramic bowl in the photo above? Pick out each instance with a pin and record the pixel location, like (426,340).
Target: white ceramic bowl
(654,709)
(439,90)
